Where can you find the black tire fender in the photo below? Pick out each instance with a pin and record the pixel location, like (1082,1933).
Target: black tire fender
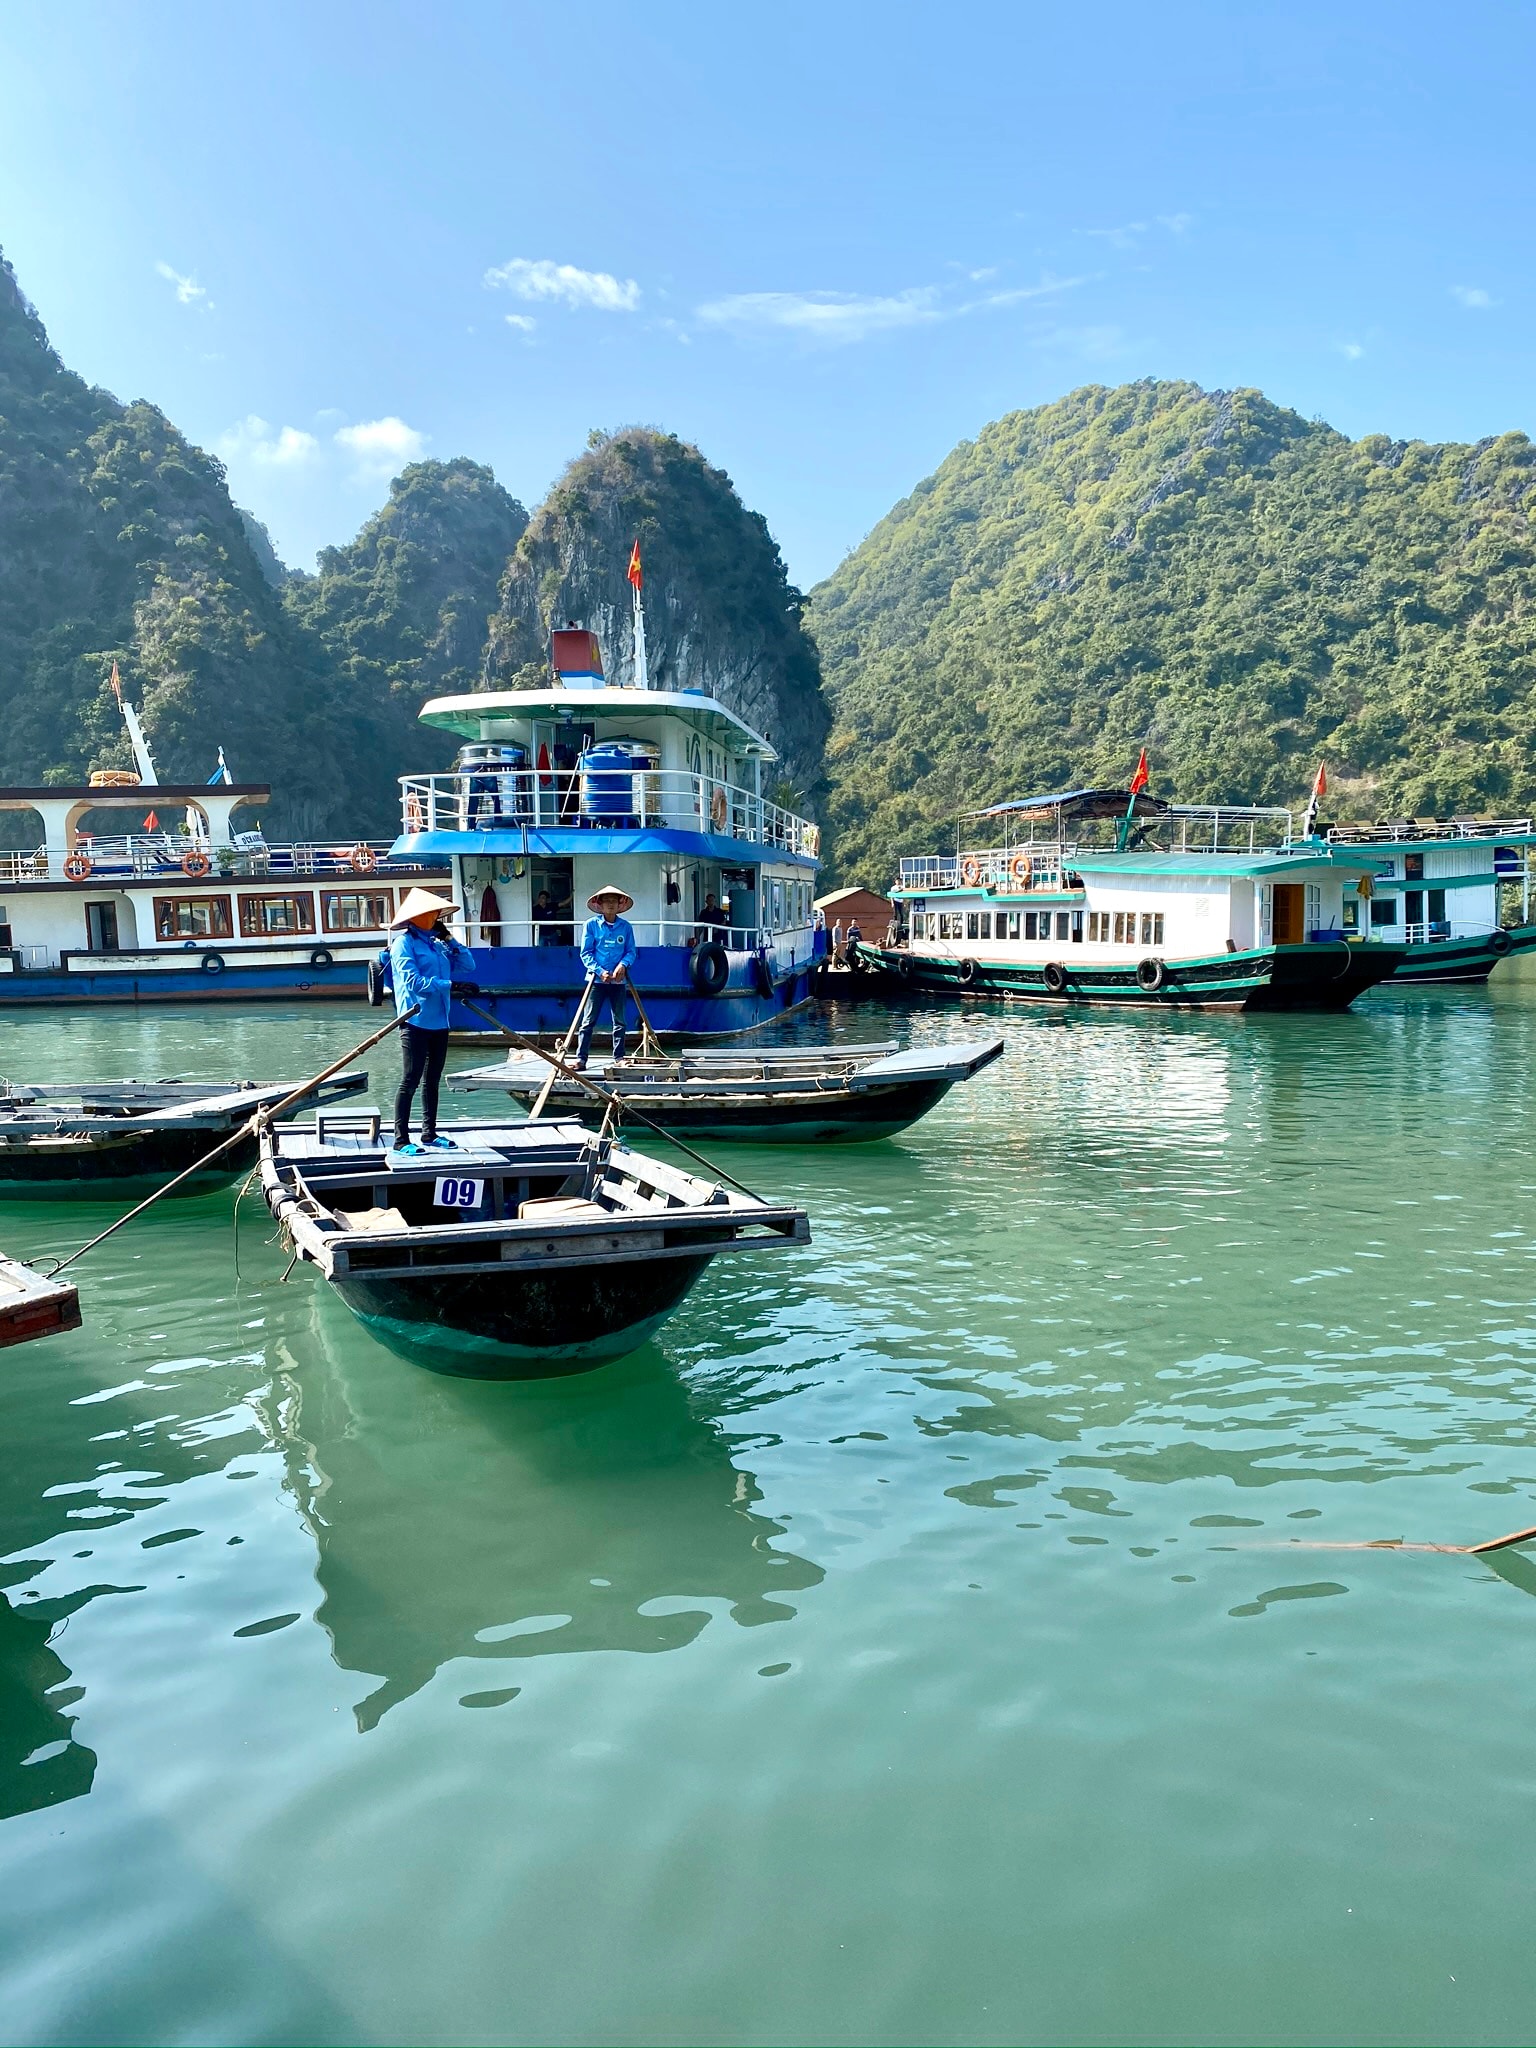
(375,985)
(1499,941)
(762,972)
(710,968)
(1055,977)
(967,973)
(1150,975)
(322,956)
(213,963)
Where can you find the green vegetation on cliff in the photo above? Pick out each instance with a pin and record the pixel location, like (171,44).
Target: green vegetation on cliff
(1204,573)
(720,613)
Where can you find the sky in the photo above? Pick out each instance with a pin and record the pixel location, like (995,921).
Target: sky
(824,242)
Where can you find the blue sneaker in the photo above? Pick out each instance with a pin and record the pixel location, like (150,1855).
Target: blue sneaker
(438,1145)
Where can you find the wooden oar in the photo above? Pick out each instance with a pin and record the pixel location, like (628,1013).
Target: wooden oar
(565,1045)
(614,1103)
(1444,1549)
(252,1126)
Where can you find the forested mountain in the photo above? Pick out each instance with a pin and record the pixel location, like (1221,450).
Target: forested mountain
(118,541)
(719,609)
(401,613)
(1241,590)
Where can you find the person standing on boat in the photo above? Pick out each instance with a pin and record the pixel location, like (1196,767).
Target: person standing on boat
(427,966)
(607,953)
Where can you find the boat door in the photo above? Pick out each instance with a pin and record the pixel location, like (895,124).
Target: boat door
(554,925)
(101,927)
(1290,913)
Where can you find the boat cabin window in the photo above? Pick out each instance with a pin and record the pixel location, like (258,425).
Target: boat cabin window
(1098,927)
(1151,927)
(1383,910)
(1413,867)
(356,910)
(192,917)
(261,916)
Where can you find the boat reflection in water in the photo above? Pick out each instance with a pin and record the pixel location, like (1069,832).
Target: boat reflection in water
(458,1519)
(41,1763)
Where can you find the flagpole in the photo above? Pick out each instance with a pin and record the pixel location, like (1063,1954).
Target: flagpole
(642,673)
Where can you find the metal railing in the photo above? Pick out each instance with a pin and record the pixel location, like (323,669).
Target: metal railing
(124,856)
(600,799)
(1426,930)
(649,931)
(1397,830)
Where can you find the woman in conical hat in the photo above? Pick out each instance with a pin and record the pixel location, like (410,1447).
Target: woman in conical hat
(427,967)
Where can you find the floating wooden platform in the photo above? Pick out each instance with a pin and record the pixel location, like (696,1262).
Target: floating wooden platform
(31,1306)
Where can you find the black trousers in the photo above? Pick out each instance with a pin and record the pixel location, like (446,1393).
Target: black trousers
(422,1054)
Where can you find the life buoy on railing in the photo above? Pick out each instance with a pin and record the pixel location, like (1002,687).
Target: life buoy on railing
(77,867)
(970,871)
(195,865)
(415,817)
(1021,870)
(719,810)
(362,859)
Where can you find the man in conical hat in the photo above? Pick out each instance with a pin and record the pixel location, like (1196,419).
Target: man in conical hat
(427,967)
(607,953)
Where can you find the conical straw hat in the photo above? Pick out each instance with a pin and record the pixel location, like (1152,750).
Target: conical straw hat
(417,903)
(626,901)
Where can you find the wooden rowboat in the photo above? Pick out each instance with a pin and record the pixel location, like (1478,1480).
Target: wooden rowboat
(761,1095)
(534,1248)
(105,1140)
(31,1306)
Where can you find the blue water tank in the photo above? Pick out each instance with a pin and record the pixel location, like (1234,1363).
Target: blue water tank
(495,785)
(608,772)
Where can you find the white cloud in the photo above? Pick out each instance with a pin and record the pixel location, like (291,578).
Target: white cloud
(1351,351)
(188,290)
(1176,223)
(1473,295)
(256,440)
(1122,237)
(381,446)
(824,316)
(523,322)
(566,285)
(835,318)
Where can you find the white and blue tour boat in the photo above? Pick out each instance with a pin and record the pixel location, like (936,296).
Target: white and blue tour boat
(1441,887)
(560,789)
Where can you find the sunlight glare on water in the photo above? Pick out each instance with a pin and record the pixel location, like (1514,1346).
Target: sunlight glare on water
(932,1636)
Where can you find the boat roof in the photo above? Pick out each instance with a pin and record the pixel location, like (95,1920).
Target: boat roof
(1082,803)
(488,714)
(1312,858)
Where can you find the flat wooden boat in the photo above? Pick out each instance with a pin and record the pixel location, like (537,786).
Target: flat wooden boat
(105,1140)
(532,1249)
(31,1306)
(762,1095)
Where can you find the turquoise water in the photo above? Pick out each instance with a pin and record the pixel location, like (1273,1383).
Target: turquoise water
(920,1642)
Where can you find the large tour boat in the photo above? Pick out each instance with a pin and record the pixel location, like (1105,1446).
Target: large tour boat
(1440,887)
(561,789)
(138,890)
(1110,896)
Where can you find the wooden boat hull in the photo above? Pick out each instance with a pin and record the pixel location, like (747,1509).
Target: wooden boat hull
(815,1118)
(1311,977)
(124,1166)
(495,1326)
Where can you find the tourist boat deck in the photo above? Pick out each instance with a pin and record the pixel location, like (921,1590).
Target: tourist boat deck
(1455,892)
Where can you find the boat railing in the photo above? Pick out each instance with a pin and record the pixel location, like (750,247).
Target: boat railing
(1426,931)
(1221,828)
(1397,830)
(24,867)
(600,799)
(146,855)
(648,931)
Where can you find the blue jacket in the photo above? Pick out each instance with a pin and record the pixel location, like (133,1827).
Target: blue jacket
(420,971)
(605,946)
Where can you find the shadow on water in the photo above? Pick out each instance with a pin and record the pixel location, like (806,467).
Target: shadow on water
(458,1519)
(41,1764)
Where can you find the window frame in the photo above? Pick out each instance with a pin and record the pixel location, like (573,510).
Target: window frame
(163,906)
(305,899)
(329,898)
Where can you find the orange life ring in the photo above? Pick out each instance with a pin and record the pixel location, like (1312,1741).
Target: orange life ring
(196,865)
(415,818)
(718,808)
(1022,869)
(970,872)
(78,867)
(362,859)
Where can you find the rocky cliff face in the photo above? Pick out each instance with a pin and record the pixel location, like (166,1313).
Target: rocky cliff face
(720,612)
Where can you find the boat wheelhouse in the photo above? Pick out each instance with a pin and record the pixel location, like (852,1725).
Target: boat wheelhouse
(559,790)
(1109,896)
(188,901)
(1440,888)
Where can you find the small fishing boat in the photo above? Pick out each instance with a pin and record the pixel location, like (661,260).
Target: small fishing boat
(31,1306)
(532,1249)
(106,1139)
(767,1095)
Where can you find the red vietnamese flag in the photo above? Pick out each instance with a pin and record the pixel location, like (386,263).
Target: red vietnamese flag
(117,683)
(1143,777)
(151,823)
(634,565)
(1320,785)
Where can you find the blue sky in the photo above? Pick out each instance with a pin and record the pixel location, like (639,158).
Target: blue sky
(826,242)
